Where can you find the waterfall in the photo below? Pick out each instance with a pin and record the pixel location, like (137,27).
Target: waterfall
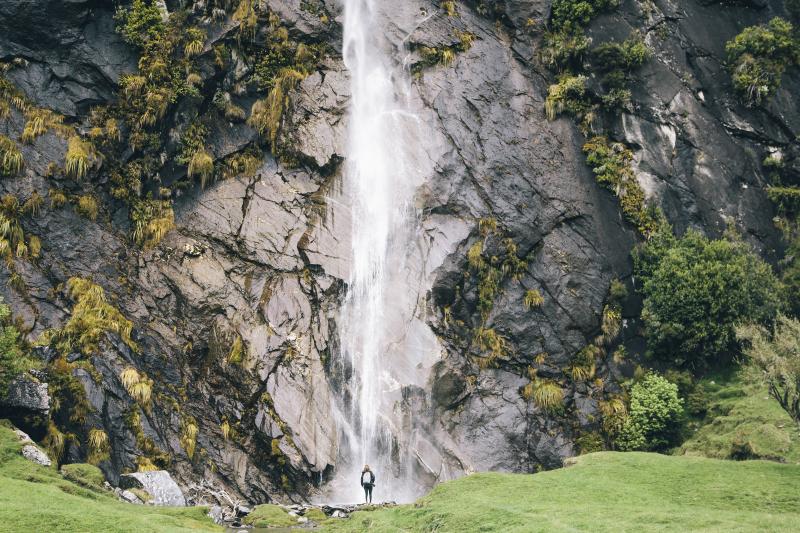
(378,355)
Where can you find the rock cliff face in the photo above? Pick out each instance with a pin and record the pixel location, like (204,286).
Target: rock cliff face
(263,259)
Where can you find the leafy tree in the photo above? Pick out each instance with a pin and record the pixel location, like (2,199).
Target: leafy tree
(776,356)
(759,55)
(695,292)
(13,361)
(653,422)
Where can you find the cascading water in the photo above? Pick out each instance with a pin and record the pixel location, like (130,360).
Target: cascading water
(380,352)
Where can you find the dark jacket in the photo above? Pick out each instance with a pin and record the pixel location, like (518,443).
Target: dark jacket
(367,479)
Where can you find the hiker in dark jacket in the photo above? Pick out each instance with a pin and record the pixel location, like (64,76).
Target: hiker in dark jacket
(367,481)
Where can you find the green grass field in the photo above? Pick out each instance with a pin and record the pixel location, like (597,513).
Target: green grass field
(36,498)
(606,491)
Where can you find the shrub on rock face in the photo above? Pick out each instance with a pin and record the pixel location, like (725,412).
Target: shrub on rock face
(759,55)
(653,422)
(696,291)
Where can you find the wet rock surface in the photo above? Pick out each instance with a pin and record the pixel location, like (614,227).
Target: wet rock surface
(264,258)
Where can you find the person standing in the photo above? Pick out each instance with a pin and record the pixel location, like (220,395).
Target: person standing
(367,481)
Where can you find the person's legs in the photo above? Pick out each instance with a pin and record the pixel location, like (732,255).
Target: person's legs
(369,492)
(366,494)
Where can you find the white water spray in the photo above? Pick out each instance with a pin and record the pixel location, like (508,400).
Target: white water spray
(378,353)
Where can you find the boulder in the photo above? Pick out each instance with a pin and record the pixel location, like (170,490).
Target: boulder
(33,453)
(27,394)
(158,484)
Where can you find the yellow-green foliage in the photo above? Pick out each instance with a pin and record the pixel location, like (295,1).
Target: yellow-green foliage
(38,121)
(11,160)
(78,157)
(138,385)
(245,15)
(582,367)
(57,198)
(12,236)
(612,320)
(202,166)
(449,7)
(144,464)
(92,317)
(34,246)
(611,164)
(189,436)
(195,38)
(533,298)
(236,354)
(545,393)
(243,163)
(152,219)
(266,115)
(33,204)
(98,446)
(225,427)
(87,206)
(567,96)
(54,442)
(488,340)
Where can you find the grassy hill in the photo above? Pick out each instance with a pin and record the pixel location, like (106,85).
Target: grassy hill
(606,491)
(743,422)
(602,492)
(36,498)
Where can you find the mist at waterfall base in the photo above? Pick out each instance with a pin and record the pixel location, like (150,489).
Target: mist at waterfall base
(381,351)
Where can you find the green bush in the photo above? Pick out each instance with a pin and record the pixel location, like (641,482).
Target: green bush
(696,291)
(141,23)
(577,13)
(654,417)
(759,55)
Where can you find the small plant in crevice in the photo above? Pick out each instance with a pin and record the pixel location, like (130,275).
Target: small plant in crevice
(545,393)
(138,385)
(533,298)
(87,206)
(11,160)
(188,437)
(611,164)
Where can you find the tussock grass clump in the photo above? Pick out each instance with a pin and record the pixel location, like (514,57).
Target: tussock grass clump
(98,446)
(266,115)
(38,122)
(533,298)
(11,160)
(92,317)
(189,436)
(138,385)
(152,220)
(545,393)
(201,165)
(78,157)
(88,207)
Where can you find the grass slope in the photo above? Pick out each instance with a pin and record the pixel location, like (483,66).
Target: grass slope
(606,491)
(35,498)
(743,421)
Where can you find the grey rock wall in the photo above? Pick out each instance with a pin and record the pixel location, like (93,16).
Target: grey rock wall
(265,257)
